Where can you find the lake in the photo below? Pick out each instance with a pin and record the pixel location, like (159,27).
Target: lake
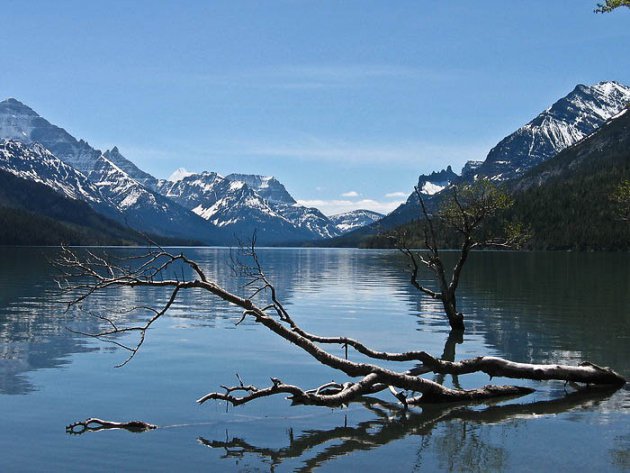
(528,307)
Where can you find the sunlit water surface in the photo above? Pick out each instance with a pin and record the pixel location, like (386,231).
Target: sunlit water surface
(533,307)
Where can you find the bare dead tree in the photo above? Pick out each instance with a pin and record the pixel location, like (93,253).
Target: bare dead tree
(84,273)
(465,214)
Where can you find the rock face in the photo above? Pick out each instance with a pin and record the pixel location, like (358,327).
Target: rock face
(267,187)
(147,210)
(429,185)
(21,123)
(133,171)
(241,204)
(435,182)
(348,221)
(204,207)
(35,163)
(566,122)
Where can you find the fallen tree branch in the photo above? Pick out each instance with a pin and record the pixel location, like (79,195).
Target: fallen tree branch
(314,448)
(92,273)
(586,372)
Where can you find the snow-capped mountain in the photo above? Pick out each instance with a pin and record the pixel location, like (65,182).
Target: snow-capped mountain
(21,123)
(268,187)
(566,122)
(348,221)
(133,171)
(430,184)
(469,171)
(35,163)
(235,207)
(147,210)
(178,175)
(307,219)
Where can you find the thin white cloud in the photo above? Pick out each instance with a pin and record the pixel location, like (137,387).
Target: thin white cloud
(417,153)
(313,76)
(336,206)
(302,147)
(393,195)
(350,194)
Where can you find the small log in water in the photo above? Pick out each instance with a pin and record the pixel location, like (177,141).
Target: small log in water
(94,424)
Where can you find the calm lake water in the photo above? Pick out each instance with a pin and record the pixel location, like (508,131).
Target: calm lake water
(529,307)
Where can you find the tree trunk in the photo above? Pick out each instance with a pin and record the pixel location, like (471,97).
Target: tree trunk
(455,319)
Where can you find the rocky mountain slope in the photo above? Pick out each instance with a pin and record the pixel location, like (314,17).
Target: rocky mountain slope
(348,221)
(146,210)
(238,208)
(565,123)
(206,208)
(35,163)
(31,213)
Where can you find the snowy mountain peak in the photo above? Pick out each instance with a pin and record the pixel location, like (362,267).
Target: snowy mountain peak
(20,122)
(433,183)
(179,174)
(348,221)
(35,163)
(16,106)
(567,121)
(268,187)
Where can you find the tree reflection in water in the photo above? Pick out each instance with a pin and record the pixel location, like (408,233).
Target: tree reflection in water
(457,443)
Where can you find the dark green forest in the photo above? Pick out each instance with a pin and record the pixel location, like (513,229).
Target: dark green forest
(566,203)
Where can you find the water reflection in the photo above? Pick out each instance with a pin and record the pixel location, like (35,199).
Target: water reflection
(455,434)
(527,307)
(32,324)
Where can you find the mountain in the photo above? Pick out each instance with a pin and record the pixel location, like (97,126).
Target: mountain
(110,183)
(563,124)
(430,185)
(238,209)
(436,181)
(146,210)
(21,123)
(566,122)
(178,175)
(32,213)
(565,202)
(348,221)
(35,163)
(308,220)
(267,187)
(133,171)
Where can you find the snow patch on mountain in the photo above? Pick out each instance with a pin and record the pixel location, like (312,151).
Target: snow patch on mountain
(566,122)
(268,187)
(35,163)
(348,221)
(179,174)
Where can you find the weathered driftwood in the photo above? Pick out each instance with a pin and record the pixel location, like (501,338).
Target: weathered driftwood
(94,424)
(407,386)
(388,424)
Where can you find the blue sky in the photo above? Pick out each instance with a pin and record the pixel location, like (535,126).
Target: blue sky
(346,102)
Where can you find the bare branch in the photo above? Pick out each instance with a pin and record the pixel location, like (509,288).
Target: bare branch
(147,273)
